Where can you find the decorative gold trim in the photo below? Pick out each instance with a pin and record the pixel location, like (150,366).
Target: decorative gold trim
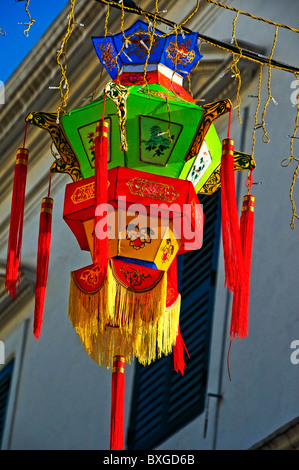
(119,358)
(102,134)
(23,151)
(118,369)
(46,209)
(164,192)
(248,208)
(47,200)
(242,162)
(68,162)
(211,112)
(22,161)
(248,197)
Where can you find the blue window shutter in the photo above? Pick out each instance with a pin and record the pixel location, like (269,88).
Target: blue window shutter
(5,382)
(163,401)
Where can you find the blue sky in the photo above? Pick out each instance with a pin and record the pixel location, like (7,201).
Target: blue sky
(14,46)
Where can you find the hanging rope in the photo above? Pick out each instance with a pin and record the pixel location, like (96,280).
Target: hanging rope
(287,161)
(62,62)
(102,69)
(257,111)
(234,68)
(266,138)
(31,20)
(258,18)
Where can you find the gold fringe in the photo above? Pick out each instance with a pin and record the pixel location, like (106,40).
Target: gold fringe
(116,320)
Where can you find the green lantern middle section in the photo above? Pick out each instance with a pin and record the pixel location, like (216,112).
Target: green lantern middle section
(159,129)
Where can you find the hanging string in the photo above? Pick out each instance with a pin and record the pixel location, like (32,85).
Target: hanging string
(61,54)
(151,42)
(91,98)
(49,187)
(229,123)
(266,138)
(286,162)
(104,105)
(249,181)
(257,110)
(234,67)
(280,25)
(25,134)
(186,20)
(31,20)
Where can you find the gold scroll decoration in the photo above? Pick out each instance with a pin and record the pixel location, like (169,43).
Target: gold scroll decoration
(67,163)
(242,162)
(212,112)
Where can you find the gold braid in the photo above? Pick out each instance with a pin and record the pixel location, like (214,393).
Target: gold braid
(266,138)
(258,18)
(257,110)
(234,68)
(63,85)
(102,69)
(31,20)
(286,162)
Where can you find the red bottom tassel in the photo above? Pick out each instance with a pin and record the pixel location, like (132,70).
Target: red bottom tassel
(178,354)
(16,223)
(239,322)
(43,254)
(117,404)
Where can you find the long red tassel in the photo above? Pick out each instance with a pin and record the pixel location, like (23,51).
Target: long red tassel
(13,265)
(117,404)
(101,194)
(240,310)
(43,254)
(232,248)
(178,354)
(179,347)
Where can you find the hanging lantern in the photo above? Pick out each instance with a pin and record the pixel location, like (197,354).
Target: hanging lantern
(125,304)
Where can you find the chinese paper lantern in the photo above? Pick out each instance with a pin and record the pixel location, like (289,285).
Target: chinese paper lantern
(126,304)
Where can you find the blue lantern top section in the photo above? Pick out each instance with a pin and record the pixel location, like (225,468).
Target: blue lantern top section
(178,53)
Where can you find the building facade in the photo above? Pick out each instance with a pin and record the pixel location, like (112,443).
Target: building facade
(53,395)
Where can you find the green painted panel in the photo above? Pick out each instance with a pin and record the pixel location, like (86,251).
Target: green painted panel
(147,111)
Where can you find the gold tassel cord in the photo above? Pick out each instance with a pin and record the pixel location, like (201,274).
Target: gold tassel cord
(234,68)
(62,61)
(254,17)
(257,110)
(266,138)
(99,81)
(116,320)
(287,161)
(31,20)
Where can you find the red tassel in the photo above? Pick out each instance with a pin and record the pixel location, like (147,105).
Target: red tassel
(43,254)
(13,271)
(101,194)
(232,248)
(239,321)
(179,346)
(178,354)
(117,404)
